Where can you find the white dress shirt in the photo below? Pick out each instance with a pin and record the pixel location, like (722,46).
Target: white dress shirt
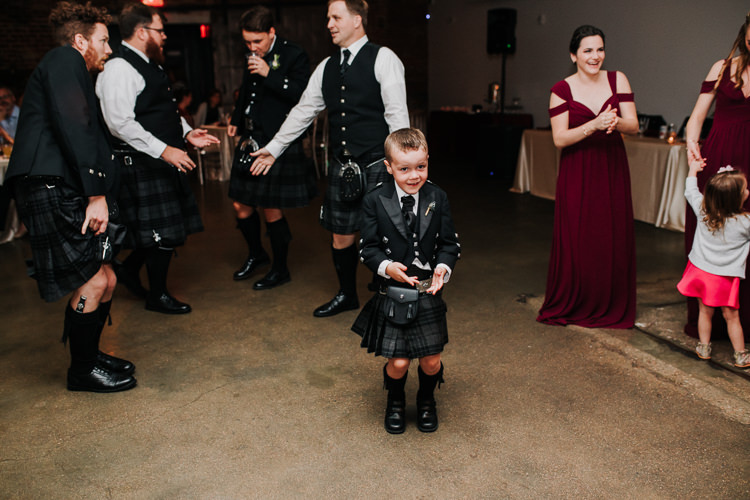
(389,72)
(11,123)
(117,88)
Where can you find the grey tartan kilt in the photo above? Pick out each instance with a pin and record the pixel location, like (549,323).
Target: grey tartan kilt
(426,335)
(156,202)
(64,259)
(290,183)
(343,217)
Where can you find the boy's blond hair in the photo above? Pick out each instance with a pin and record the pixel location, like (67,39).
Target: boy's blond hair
(405,139)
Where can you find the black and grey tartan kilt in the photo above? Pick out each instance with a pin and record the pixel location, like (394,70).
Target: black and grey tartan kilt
(426,335)
(343,217)
(64,259)
(290,183)
(156,203)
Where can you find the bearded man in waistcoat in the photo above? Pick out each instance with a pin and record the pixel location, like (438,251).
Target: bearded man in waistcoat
(363,88)
(156,202)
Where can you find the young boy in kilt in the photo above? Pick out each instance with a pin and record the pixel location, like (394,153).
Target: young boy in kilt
(408,240)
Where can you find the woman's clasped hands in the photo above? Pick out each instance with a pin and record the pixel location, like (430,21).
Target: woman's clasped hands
(607,119)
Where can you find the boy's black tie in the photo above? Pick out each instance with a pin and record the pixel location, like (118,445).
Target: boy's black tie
(407,208)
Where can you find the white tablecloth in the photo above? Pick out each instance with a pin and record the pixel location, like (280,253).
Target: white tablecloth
(657,175)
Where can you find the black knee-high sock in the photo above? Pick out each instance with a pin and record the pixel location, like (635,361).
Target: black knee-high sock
(427,384)
(157,264)
(346,260)
(395,387)
(250,229)
(134,262)
(280,236)
(83,335)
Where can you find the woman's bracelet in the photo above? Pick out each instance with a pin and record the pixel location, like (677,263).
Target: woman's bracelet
(585,131)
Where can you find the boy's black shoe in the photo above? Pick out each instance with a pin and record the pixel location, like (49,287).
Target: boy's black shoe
(395,416)
(427,419)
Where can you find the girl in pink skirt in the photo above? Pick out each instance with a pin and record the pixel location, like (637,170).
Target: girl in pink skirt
(720,248)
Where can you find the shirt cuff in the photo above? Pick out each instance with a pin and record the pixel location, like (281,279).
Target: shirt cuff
(448,272)
(275,149)
(381,269)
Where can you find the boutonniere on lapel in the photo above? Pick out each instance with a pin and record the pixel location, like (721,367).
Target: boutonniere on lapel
(430,208)
(275,63)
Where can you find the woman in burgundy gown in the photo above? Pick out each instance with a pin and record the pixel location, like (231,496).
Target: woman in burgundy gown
(728,143)
(591,279)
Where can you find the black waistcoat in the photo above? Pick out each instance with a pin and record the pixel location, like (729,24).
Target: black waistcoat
(155,108)
(355,106)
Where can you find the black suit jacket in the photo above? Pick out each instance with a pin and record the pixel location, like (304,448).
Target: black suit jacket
(60,129)
(384,235)
(276,94)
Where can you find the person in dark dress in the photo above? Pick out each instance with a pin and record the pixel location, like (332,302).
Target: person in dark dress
(410,243)
(276,75)
(591,278)
(156,201)
(728,143)
(363,89)
(64,178)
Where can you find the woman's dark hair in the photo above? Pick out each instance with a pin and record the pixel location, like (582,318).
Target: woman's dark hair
(257,19)
(582,32)
(744,56)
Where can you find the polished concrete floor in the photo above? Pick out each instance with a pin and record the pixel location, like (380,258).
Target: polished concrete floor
(249,396)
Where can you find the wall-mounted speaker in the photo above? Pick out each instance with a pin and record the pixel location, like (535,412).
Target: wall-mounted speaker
(501,31)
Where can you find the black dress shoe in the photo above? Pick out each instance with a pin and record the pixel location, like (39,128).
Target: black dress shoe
(340,303)
(395,416)
(273,279)
(427,419)
(167,304)
(250,265)
(100,380)
(131,281)
(113,364)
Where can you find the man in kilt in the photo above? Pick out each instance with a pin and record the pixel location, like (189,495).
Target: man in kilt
(409,240)
(64,177)
(276,74)
(362,86)
(156,201)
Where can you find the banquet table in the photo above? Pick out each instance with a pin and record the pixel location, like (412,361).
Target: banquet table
(657,175)
(225,152)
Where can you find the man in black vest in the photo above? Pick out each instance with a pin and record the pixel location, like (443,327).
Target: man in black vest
(277,72)
(363,88)
(156,201)
(64,177)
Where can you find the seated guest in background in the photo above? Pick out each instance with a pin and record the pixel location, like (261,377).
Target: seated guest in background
(184,98)
(9,112)
(276,74)
(210,112)
(63,175)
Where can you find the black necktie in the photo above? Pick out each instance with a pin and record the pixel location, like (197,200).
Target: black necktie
(345,63)
(407,209)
